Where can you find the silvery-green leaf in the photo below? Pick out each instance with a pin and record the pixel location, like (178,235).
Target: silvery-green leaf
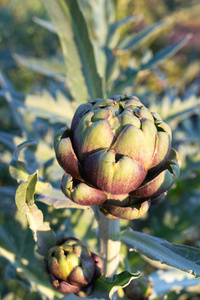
(83,79)
(113,36)
(175,110)
(54,110)
(165,53)
(133,41)
(99,15)
(52,67)
(182,257)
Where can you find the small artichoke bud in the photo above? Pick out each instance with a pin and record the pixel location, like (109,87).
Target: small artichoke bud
(72,267)
(139,289)
(117,155)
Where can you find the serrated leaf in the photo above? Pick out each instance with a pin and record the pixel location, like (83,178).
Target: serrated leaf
(82,78)
(165,53)
(133,41)
(54,110)
(175,110)
(25,202)
(105,287)
(182,257)
(52,67)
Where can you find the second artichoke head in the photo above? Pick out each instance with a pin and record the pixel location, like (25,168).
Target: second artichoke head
(72,267)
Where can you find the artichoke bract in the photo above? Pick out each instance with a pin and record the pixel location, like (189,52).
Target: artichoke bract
(117,155)
(73,268)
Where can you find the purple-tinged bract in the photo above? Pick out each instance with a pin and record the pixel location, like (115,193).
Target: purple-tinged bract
(72,267)
(117,155)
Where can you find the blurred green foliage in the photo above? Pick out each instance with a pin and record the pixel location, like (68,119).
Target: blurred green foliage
(21,35)
(182,68)
(171,88)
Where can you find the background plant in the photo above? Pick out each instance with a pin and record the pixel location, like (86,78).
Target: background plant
(37,117)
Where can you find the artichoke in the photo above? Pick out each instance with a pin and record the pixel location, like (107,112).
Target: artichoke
(73,268)
(139,289)
(117,155)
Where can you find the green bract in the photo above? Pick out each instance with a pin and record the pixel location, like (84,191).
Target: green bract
(73,268)
(117,155)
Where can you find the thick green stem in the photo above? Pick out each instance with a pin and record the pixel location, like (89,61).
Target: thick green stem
(109,249)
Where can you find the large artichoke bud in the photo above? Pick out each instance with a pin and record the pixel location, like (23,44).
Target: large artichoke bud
(117,155)
(73,268)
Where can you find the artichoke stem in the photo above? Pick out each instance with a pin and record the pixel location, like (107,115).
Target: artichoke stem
(109,249)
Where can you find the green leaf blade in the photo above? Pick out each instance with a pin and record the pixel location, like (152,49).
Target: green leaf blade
(51,67)
(182,257)
(131,42)
(84,81)
(54,110)
(166,53)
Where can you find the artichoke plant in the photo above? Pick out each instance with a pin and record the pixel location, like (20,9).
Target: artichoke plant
(73,268)
(117,155)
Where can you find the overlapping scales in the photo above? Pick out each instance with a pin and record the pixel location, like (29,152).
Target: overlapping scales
(118,156)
